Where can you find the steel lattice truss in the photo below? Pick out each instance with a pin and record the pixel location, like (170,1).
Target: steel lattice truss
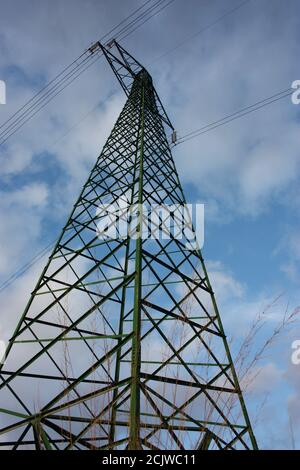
(121,344)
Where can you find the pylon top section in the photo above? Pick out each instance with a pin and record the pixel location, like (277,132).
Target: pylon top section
(126,68)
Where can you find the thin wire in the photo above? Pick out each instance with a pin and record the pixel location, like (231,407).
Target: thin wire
(205,28)
(142,15)
(154,14)
(67,67)
(57,88)
(43,104)
(46,249)
(84,117)
(241,110)
(43,98)
(7,133)
(125,19)
(26,266)
(40,91)
(238,114)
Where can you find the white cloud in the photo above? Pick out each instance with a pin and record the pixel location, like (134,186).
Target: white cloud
(225,286)
(32,195)
(23,211)
(289,246)
(265,378)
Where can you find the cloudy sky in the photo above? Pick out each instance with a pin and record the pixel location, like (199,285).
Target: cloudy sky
(208,59)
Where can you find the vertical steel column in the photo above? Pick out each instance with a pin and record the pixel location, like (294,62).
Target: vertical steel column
(134,424)
(112,432)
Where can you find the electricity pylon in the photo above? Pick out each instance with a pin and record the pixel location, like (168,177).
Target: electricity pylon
(121,345)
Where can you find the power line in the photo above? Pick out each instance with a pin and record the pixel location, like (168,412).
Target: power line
(42,99)
(76,124)
(79,68)
(25,267)
(202,30)
(20,271)
(140,17)
(154,14)
(70,73)
(236,115)
(42,102)
(57,88)
(73,63)
(124,20)
(224,15)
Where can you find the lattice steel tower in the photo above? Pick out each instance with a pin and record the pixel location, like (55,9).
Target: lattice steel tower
(121,345)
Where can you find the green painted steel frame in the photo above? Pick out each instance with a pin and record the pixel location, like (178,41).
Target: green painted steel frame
(136,159)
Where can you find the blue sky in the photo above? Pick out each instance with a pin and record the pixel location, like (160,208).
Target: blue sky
(246,173)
